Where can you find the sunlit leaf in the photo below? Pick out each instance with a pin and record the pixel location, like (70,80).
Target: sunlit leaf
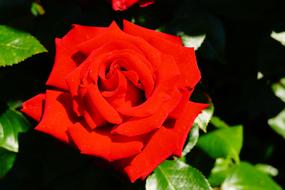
(192,139)
(279,37)
(37,9)
(176,175)
(217,122)
(223,143)
(244,176)
(192,41)
(11,124)
(220,171)
(203,119)
(16,46)
(277,123)
(267,169)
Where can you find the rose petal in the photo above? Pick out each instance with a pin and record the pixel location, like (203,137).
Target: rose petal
(167,77)
(159,147)
(131,97)
(34,107)
(144,3)
(65,48)
(121,5)
(108,75)
(184,123)
(135,62)
(184,57)
(57,116)
(121,87)
(63,64)
(186,93)
(148,34)
(96,100)
(76,82)
(114,33)
(137,126)
(93,119)
(101,145)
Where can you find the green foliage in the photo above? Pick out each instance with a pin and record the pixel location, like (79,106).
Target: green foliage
(244,176)
(37,9)
(11,124)
(201,122)
(7,159)
(204,117)
(217,122)
(279,37)
(224,142)
(192,139)
(267,169)
(220,171)
(16,46)
(277,123)
(192,41)
(176,175)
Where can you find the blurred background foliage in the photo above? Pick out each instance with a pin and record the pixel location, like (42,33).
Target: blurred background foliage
(242,68)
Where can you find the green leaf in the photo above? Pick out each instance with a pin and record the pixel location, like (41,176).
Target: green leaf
(220,171)
(279,89)
(176,175)
(223,143)
(277,123)
(267,169)
(203,119)
(7,159)
(217,122)
(11,124)
(37,9)
(194,41)
(244,176)
(16,46)
(280,37)
(192,139)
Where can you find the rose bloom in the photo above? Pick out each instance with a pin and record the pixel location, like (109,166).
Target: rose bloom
(121,5)
(121,95)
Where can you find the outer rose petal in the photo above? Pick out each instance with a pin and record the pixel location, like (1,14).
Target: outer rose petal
(102,145)
(148,33)
(175,113)
(34,107)
(184,123)
(159,147)
(57,116)
(65,60)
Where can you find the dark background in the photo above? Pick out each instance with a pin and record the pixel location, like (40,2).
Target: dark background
(238,46)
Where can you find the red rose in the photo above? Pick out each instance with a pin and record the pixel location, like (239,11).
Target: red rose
(122,95)
(121,5)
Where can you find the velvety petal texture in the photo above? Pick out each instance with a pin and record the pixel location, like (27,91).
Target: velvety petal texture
(120,94)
